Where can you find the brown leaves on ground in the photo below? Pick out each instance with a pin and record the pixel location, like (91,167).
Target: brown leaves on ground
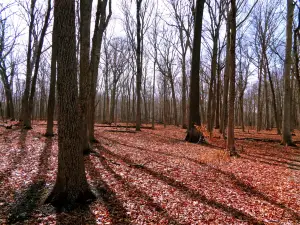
(154,177)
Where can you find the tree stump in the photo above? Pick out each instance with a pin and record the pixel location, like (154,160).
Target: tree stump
(194,136)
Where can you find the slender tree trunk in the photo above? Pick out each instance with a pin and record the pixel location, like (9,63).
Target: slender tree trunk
(101,22)
(173,97)
(51,99)
(165,101)
(112,104)
(25,98)
(231,116)
(211,93)
(217,123)
(138,65)
(259,105)
(27,116)
(223,124)
(273,96)
(153,92)
(266,98)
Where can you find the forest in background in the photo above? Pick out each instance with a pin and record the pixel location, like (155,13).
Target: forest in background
(97,97)
(166,35)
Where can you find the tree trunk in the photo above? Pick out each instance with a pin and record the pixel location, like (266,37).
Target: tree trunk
(25,98)
(224,115)
(8,91)
(27,116)
(286,122)
(173,96)
(231,116)
(101,22)
(273,96)
(194,115)
(217,123)
(85,73)
(259,105)
(71,185)
(112,103)
(153,92)
(266,97)
(138,65)
(51,99)
(211,93)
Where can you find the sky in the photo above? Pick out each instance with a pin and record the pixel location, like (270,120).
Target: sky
(115,27)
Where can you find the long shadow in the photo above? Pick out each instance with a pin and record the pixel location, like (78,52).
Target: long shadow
(273,162)
(18,157)
(114,206)
(30,198)
(191,193)
(136,193)
(250,190)
(281,157)
(167,138)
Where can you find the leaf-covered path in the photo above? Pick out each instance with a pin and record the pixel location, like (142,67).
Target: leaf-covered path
(153,177)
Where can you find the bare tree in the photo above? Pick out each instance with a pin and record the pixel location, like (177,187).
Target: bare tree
(71,185)
(286,122)
(194,116)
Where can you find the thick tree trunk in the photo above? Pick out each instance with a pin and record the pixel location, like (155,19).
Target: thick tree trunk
(71,185)
(85,73)
(231,114)
(286,122)
(194,115)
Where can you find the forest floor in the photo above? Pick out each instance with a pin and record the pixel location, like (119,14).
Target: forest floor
(154,177)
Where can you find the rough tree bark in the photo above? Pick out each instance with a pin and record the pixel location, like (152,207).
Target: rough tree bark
(232,66)
(85,73)
(286,121)
(71,185)
(194,114)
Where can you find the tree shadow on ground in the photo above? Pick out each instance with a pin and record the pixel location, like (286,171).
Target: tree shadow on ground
(117,212)
(270,161)
(250,190)
(289,157)
(136,193)
(29,199)
(79,216)
(189,192)
(18,157)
